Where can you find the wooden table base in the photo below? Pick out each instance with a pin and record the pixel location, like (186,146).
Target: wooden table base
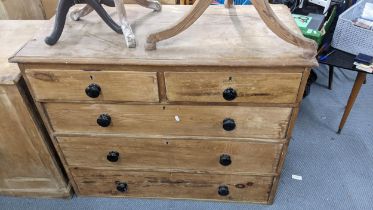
(360,78)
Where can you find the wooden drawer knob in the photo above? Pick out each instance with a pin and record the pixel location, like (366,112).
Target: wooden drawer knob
(229,94)
(113,156)
(225,160)
(229,124)
(104,120)
(93,90)
(122,187)
(223,190)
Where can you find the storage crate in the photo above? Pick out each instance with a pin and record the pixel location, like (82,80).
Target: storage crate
(350,38)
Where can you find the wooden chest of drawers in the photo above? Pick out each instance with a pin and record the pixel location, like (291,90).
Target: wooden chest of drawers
(208,115)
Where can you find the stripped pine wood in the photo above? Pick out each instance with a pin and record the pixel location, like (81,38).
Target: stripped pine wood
(115,86)
(198,155)
(11,41)
(21,10)
(256,122)
(173,115)
(28,165)
(250,43)
(172,185)
(250,87)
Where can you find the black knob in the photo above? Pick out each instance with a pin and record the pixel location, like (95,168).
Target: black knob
(229,94)
(104,120)
(229,124)
(113,156)
(122,187)
(225,160)
(93,90)
(223,190)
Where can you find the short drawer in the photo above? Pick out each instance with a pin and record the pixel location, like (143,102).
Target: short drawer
(79,85)
(215,121)
(172,185)
(192,155)
(233,87)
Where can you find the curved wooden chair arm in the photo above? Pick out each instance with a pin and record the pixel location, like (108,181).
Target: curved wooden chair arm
(195,12)
(281,30)
(265,12)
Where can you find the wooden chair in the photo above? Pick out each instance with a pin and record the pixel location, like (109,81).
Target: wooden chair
(265,11)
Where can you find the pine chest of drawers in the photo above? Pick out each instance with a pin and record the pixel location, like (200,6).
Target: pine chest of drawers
(208,115)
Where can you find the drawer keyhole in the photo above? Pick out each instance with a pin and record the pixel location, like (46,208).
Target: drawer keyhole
(113,156)
(104,120)
(93,90)
(229,94)
(229,124)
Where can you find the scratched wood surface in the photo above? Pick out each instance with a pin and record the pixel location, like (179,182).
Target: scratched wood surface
(115,86)
(256,122)
(221,37)
(250,87)
(172,185)
(183,154)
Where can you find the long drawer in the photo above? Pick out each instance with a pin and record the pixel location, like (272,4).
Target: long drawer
(192,155)
(217,121)
(232,87)
(121,183)
(93,85)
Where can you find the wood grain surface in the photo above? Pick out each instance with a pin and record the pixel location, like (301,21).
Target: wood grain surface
(115,85)
(257,122)
(220,37)
(172,185)
(193,155)
(250,87)
(27,166)
(270,18)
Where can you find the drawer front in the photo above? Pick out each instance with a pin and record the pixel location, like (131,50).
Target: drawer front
(217,121)
(172,185)
(93,85)
(193,155)
(233,87)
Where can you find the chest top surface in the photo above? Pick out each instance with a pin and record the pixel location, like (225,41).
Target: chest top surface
(14,34)
(220,37)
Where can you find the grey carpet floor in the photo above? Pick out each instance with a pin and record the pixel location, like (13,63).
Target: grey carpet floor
(337,170)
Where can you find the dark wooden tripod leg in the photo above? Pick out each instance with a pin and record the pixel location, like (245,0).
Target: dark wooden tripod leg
(331,75)
(59,24)
(109,3)
(104,15)
(360,78)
